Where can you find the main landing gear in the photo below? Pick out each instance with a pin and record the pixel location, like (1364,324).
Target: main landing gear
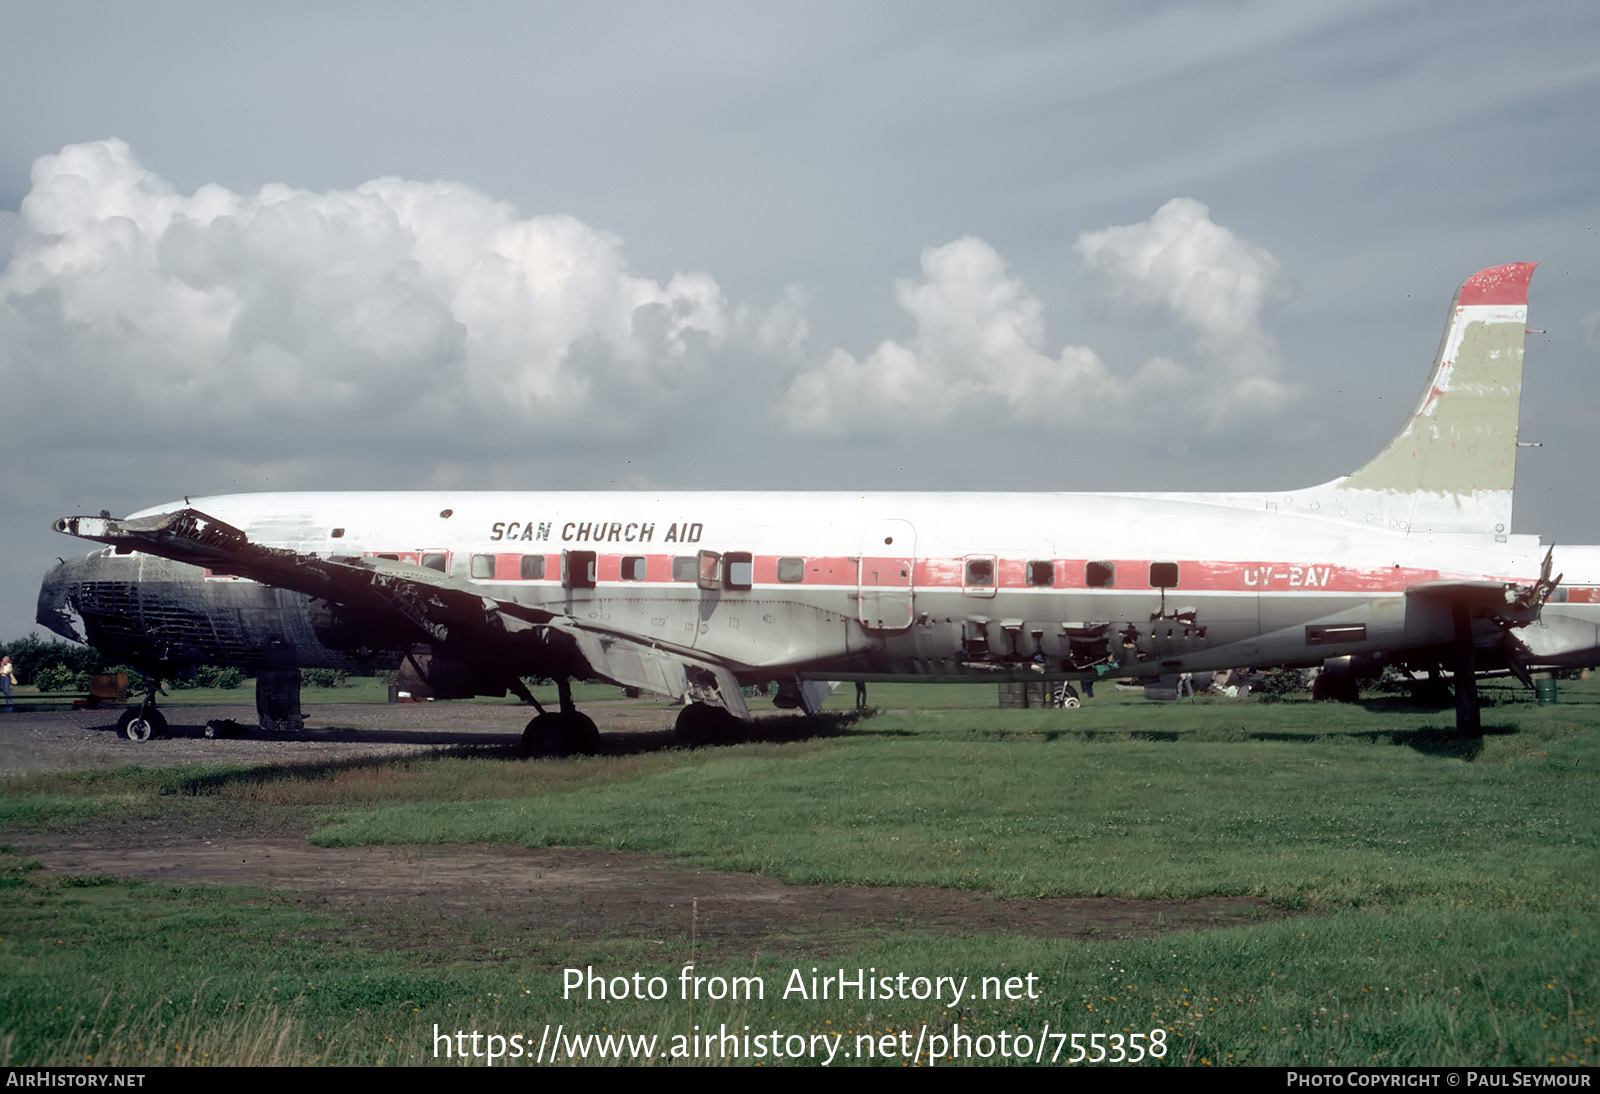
(569,732)
(144,721)
(699,724)
(564,732)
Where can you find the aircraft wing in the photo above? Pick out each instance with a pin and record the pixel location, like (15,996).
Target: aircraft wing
(1502,601)
(1507,605)
(421,604)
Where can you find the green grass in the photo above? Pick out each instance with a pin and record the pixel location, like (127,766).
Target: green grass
(1304,805)
(1444,899)
(128,974)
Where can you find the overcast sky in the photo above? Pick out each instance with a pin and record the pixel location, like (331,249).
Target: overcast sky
(787,246)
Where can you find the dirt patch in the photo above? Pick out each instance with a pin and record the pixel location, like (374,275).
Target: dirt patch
(561,893)
(576,894)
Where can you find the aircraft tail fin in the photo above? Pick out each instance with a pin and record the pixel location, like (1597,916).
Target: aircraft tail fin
(1452,467)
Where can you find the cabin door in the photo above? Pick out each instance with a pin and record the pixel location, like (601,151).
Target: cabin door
(886,565)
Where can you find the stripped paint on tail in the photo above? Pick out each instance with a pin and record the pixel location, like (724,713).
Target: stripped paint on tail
(1452,467)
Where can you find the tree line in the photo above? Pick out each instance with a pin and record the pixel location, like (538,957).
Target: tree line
(54,665)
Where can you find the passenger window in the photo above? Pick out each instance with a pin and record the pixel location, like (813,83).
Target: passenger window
(1163,575)
(1100,575)
(434,560)
(980,572)
(685,568)
(1041,575)
(791,570)
(739,570)
(483,567)
(633,568)
(532,567)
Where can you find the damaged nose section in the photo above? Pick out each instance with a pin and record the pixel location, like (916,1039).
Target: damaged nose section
(58,608)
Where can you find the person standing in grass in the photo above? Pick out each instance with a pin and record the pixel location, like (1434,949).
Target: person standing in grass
(8,676)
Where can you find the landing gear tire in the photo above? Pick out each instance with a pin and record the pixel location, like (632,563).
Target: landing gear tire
(552,735)
(140,729)
(1328,687)
(583,736)
(699,725)
(1066,697)
(543,739)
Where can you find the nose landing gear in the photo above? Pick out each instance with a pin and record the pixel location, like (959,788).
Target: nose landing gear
(144,721)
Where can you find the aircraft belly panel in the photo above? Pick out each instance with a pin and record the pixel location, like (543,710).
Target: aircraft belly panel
(747,630)
(1057,632)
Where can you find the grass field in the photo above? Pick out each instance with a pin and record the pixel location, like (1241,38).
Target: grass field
(1425,901)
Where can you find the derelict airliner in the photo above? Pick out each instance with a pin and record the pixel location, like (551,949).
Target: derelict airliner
(1410,559)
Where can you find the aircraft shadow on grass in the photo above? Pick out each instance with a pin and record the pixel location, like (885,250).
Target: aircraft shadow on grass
(1430,740)
(502,746)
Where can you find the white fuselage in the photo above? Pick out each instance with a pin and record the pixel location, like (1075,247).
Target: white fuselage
(929,584)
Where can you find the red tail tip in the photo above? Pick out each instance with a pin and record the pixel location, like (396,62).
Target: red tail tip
(1498,285)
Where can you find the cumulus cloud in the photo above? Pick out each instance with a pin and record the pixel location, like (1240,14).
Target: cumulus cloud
(286,318)
(398,301)
(978,347)
(1183,264)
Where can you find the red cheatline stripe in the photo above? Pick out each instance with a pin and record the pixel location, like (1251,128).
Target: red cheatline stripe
(1131,575)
